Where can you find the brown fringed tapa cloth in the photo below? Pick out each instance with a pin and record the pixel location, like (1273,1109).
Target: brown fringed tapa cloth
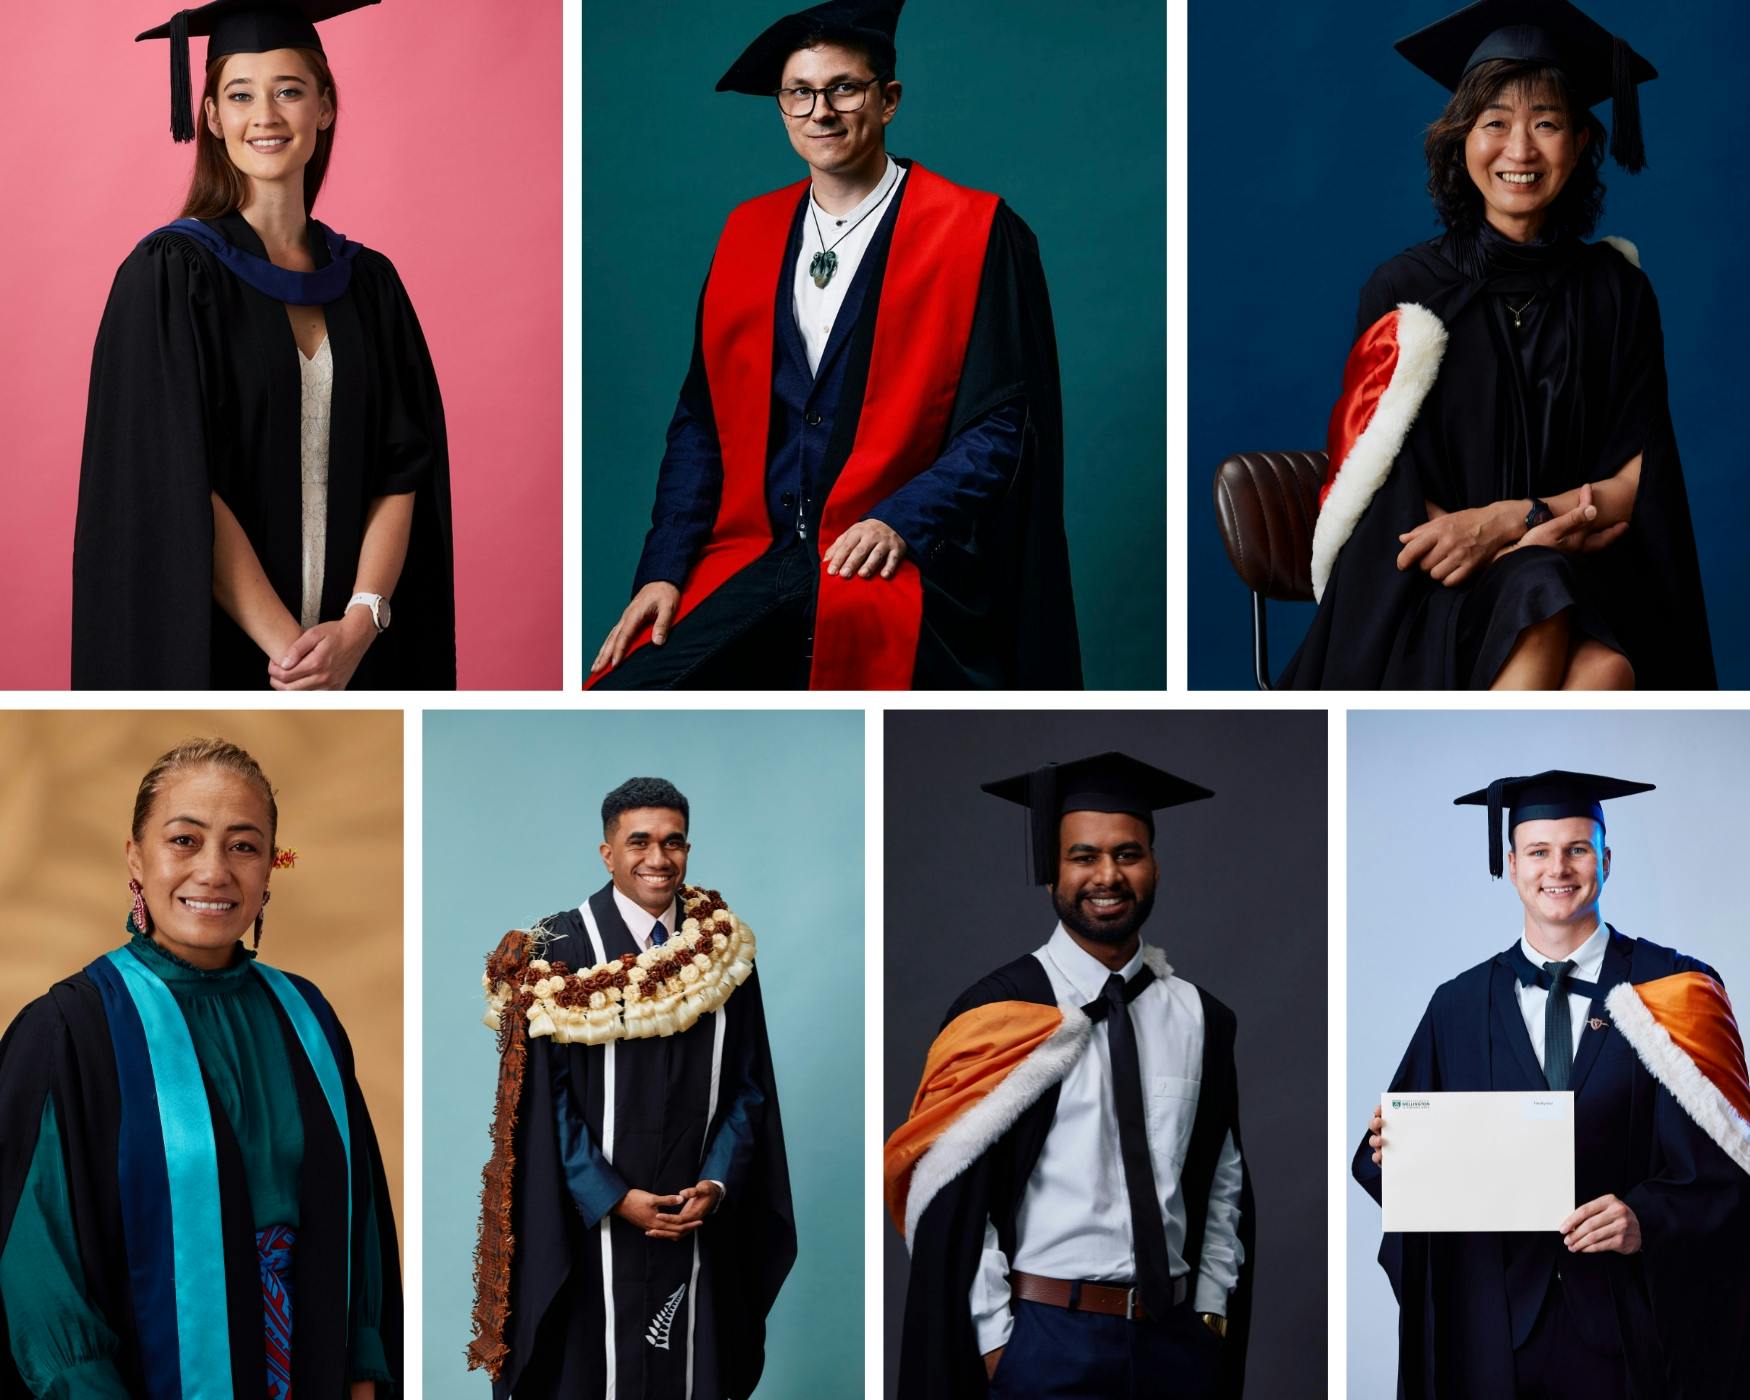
(492,1254)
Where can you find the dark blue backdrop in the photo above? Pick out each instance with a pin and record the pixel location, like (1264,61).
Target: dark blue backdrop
(1306,173)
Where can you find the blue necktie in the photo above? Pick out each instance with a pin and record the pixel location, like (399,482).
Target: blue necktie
(658,935)
(1558,1027)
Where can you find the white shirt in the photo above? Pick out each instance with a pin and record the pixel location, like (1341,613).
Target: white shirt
(816,308)
(316,386)
(641,922)
(1588,960)
(1074,1217)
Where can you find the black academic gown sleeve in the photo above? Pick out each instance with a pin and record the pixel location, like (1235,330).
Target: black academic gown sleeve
(59,1050)
(195,391)
(939,1352)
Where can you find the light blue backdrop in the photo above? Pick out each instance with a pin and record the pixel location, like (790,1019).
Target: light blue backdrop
(512,823)
(1422,907)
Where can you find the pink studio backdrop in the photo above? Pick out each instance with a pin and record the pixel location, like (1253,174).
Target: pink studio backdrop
(447,158)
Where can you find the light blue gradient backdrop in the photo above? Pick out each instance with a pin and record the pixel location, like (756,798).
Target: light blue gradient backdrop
(1422,907)
(512,822)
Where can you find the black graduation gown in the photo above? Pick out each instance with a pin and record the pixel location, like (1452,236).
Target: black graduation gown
(1568,397)
(195,389)
(1677,1310)
(59,1047)
(559,1331)
(939,1357)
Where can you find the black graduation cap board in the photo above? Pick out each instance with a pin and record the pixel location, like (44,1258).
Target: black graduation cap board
(1551,32)
(758,70)
(1107,782)
(1546,796)
(239,26)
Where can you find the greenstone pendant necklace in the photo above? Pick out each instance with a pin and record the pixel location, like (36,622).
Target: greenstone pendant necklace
(826,262)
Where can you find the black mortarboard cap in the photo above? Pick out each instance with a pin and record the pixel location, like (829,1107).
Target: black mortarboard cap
(1551,32)
(1107,782)
(1545,797)
(238,26)
(758,70)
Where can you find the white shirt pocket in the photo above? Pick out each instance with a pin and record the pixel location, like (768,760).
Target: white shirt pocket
(1172,1109)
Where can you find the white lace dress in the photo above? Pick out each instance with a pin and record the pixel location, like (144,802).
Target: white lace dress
(318,385)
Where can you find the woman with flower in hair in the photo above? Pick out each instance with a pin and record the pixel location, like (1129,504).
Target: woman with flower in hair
(1504,506)
(265,460)
(191,1198)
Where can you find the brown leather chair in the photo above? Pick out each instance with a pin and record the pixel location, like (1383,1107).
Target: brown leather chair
(1265,504)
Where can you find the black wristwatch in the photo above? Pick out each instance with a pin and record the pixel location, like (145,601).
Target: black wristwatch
(1538,513)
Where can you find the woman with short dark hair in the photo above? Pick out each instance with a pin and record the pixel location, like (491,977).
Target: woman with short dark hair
(265,459)
(1504,506)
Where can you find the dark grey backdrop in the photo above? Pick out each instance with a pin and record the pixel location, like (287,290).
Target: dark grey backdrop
(1241,912)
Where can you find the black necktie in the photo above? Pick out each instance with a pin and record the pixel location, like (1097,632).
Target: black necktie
(658,935)
(1154,1277)
(1558,1027)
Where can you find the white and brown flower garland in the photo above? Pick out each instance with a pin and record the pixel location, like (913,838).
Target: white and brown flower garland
(661,991)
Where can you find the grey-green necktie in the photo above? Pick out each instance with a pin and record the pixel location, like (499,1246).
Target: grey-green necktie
(1558,1027)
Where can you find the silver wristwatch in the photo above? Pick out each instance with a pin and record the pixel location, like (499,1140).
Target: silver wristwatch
(377,603)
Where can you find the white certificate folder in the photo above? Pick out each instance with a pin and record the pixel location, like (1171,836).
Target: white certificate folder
(1464,1161)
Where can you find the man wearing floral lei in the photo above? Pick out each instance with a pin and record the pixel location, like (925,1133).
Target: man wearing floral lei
(1068,1234)
(636,1221)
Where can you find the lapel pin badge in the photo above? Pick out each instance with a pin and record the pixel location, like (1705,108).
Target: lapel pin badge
(1598,1023)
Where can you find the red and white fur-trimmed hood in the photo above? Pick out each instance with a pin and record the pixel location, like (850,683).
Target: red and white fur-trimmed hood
(1388,375)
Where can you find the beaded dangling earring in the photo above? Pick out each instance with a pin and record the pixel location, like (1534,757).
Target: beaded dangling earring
(140,919)
(260,916)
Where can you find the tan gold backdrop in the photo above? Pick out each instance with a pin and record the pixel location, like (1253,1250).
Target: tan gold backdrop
(67,784)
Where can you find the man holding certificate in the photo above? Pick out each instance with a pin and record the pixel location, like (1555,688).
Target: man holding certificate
(1641,1290)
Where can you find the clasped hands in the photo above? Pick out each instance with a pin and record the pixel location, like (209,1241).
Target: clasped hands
(325,656)
(1607,1225)
(1453,546)
(656,1216)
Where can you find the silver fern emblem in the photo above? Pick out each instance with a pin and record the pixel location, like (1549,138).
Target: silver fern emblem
(657,1333)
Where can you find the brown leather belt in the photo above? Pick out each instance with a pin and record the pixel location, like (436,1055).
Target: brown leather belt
(1115,1300)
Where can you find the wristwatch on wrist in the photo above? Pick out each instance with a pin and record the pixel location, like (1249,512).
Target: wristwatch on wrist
(377,603)
(1216,1323)
(1538,513)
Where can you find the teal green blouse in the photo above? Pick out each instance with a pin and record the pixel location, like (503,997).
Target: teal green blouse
(62,1346)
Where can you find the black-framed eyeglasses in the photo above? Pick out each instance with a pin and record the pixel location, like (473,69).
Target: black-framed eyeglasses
(847,96)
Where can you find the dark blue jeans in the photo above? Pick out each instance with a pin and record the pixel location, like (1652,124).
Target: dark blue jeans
(1057,1354)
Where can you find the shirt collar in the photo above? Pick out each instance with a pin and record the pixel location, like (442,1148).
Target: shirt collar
(1588,958)
(639,921)
(1081,969)
(883,187)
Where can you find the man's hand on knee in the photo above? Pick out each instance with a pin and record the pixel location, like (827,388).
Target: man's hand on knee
(867,547)
(654,603)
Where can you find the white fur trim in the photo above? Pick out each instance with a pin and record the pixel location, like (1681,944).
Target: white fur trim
(1701,1099)
(1623,246)
(1156,962)
(973,1133)
(1421,343)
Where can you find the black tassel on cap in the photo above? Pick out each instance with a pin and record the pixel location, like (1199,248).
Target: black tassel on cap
(1042,823)
(181,99)
(1497,790)
(1626,145)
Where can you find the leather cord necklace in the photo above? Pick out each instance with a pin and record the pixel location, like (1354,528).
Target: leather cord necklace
(826,262)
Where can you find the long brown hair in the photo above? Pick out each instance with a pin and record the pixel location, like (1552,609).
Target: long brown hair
(1457,199)
(217,186)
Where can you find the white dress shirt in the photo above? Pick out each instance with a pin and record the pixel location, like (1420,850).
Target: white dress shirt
(1074,1217)
(1588,960)
(641,922)
(816,308)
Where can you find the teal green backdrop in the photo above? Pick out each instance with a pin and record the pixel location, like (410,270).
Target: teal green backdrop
(512,822)
(1063,117)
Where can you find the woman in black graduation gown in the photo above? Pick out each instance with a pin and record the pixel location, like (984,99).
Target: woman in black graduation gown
(265,460)
(1506,506)
(191,1199)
